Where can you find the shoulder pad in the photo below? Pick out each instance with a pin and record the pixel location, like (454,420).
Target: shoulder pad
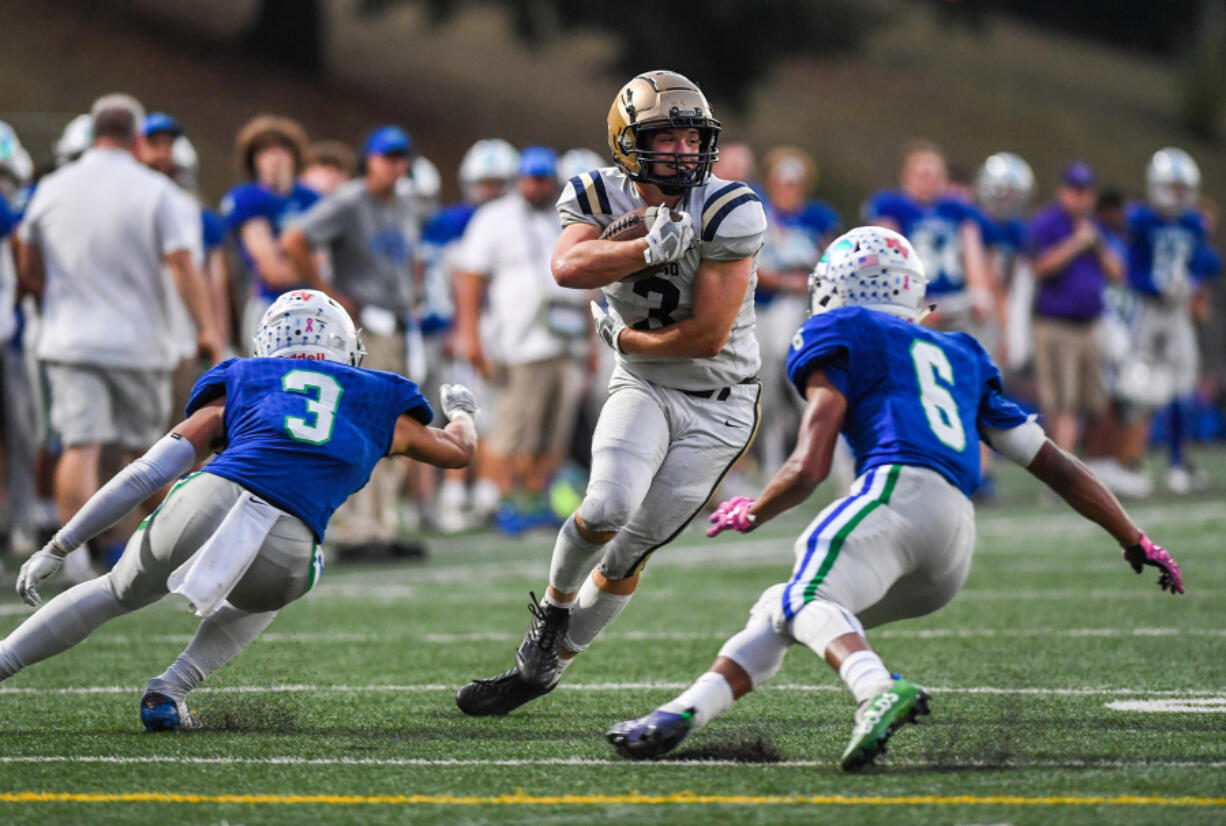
(590,193)
(722,202)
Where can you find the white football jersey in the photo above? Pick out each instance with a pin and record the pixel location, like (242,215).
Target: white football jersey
(730,224)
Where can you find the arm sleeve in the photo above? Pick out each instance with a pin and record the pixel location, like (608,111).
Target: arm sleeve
(733,224)
(210,386)
(324,222)
(822,342)
(166,461)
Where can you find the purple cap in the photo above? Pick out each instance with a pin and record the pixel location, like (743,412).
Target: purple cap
(1078,175)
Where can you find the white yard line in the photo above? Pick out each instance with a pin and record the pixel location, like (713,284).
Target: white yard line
(574,761)
(1086,691)
(339,637)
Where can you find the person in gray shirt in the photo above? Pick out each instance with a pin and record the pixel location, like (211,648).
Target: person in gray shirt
(370,233)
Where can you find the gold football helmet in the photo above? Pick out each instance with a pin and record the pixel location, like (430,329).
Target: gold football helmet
(662,100)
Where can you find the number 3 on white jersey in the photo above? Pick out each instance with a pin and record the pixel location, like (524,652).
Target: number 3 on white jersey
(931,364)
(322,407)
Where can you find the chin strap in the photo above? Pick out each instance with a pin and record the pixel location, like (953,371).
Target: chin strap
(927,311)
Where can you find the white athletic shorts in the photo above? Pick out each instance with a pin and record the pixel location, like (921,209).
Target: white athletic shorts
(91,404)
(1164,338)
(658,455)
(898,545)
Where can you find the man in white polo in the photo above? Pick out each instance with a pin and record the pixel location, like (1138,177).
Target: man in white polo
(93,242)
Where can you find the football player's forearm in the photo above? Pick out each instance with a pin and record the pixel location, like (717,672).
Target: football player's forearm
(590,264)
(791,485)
(691,338)
(448,447)
(1084,493)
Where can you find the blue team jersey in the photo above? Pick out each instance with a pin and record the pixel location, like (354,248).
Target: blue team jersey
(1007,235)
(305,434)
(915,396)
(933,229)
(249,201)
(444,228)
(8,218)
(1168,256)
(212,230)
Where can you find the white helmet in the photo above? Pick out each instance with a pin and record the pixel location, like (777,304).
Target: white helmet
(1004,185)
(488,159)
(186,161)
(76,138)
(13,157)
(307,324)
(1172,180)
(870,267)
(577,161)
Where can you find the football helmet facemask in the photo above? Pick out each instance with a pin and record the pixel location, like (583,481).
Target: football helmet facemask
(1004,185)
(1172,180)
(308,324)
(870,267)
(651,102)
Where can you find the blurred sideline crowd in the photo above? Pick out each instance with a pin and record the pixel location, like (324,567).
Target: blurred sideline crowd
(119,286)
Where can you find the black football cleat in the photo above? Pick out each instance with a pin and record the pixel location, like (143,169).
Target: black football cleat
(536,659)
(499,695)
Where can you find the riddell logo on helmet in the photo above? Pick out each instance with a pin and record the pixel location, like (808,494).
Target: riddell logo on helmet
(309,356)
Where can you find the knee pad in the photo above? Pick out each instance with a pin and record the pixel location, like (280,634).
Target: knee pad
(820,623)
(606,506)
(759,649)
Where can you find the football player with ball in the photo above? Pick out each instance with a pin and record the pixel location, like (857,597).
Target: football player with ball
(914,403)
(674,249)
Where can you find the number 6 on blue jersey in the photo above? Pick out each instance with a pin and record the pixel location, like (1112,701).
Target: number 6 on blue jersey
(322,407)
(931,364)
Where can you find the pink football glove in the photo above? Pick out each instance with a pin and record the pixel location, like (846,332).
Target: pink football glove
(1145,553)
(732,515)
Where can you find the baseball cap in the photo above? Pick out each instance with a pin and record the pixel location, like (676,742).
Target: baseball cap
(160,122)
(387,140)
(1078,175)
(538,162)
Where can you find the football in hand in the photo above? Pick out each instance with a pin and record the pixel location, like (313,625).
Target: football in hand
(630,226)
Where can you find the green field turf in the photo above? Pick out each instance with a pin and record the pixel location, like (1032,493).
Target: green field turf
(349,695)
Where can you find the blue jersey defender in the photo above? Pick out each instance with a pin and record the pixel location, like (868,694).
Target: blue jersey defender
(914,403)
(297,430)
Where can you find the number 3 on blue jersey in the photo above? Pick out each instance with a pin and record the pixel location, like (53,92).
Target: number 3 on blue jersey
(323,407)
(932,364)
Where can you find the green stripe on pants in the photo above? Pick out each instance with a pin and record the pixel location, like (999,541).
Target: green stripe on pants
(836,544)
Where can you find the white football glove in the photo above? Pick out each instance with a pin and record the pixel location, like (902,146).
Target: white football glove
(38,569)
(607,327)
(457,399)
(668,239)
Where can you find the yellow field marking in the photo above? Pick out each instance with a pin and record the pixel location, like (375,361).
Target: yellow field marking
(632,798)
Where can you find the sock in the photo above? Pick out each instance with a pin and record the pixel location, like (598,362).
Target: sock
(218,639)
(549,600)
(452,494)
(1175,432)
(708,696)
(865,675)
(592,612)
(573,558)
(59,625)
